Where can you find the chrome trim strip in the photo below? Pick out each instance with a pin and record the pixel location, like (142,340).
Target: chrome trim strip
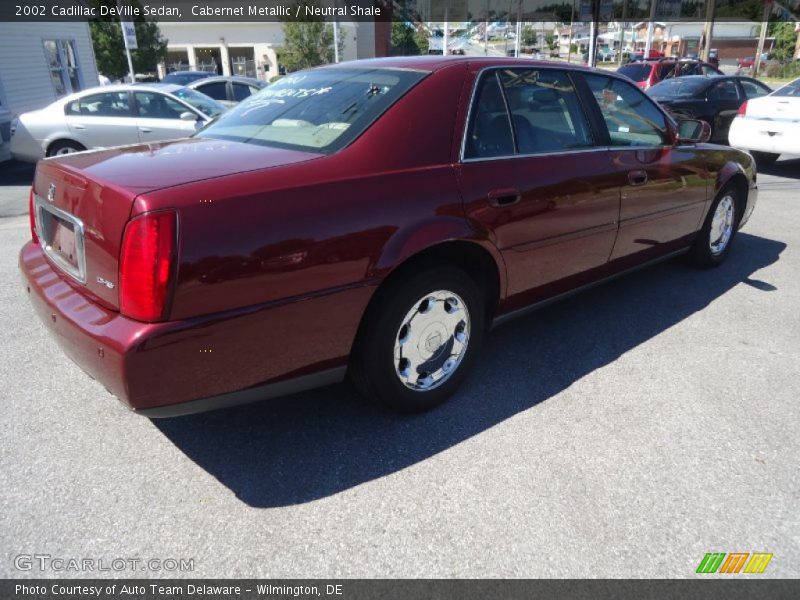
(253,394)
(517,156)
(78,229)
(521,312)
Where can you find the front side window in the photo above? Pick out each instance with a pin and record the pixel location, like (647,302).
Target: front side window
(151,105)
(111,104)
(207,106)
(242,91)
(636,71)
(63,65)
(320,110)
(631,117)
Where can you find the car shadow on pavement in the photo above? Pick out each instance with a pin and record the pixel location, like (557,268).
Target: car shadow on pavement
(783,168)
(312,445)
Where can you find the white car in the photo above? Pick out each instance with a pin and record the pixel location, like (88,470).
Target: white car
(769,126)
(112,115)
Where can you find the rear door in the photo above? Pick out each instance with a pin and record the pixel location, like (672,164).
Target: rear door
(159,117)
(533,177)
(102,120)
(663,186)
(727,97)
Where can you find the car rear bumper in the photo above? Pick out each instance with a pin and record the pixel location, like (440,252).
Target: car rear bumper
(764,135)
(178,367)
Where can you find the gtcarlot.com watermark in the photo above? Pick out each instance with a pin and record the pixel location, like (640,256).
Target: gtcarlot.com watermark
(66,564)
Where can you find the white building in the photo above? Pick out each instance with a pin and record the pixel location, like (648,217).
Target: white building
(40,62)
(247,48)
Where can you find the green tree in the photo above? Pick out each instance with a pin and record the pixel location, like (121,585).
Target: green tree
(109,47)
(406,40)
(550,40)
(529,37)
(785,40)
(308,42)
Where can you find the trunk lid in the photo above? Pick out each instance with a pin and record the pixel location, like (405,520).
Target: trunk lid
(83,201)
(775,108)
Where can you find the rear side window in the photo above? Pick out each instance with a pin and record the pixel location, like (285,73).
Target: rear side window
(630,116)
(109,104)
(752,89)
(666,70)
(215,89)
(546,114)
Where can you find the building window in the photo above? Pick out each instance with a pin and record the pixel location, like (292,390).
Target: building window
(63,64)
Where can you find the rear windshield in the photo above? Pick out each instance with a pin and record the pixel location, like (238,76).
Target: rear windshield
(790,89)
(321,110)
(636,72)
(678,88)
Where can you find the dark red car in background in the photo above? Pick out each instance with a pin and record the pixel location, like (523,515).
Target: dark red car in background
(647,73)
(371,218)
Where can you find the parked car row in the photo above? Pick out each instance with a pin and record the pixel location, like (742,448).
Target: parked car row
(116,115)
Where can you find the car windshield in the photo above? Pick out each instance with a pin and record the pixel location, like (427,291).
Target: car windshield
(321,110)
(790,89)
(201,102)
(681,87)
(636,72)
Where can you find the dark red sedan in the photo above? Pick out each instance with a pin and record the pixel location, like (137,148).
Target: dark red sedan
(372,218)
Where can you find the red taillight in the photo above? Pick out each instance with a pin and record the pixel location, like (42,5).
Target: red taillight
(742,109)
(145,267)
(32,215)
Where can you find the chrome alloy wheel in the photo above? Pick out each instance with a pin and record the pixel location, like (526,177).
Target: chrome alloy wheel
(721,225)
(432,340)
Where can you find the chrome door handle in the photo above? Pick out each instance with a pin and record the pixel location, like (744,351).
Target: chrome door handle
(637,177)
(504,197)
(79,126)
(145,130)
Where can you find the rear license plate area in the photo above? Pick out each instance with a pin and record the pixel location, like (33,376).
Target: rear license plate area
(61,236)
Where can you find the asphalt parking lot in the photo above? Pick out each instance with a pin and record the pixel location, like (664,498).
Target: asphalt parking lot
(622,433)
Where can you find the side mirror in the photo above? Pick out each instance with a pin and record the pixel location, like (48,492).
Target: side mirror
(189,116)
(693,131)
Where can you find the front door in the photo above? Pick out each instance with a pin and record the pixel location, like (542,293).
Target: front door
(159,118)
(533,177)
(663,185)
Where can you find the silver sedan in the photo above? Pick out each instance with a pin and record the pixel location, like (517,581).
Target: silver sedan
(111,116)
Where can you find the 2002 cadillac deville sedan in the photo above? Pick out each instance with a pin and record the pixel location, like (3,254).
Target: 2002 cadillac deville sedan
(372,219)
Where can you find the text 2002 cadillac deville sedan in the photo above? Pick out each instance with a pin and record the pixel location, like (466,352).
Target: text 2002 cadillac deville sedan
(371,219)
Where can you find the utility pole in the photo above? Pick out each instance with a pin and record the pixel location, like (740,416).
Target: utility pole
(622,31)
(762,38)
(708,29)
(648,42)
(446,38)
(518,30)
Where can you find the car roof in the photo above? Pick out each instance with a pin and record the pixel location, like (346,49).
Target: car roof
(240,78)
(187,73)
(435,62)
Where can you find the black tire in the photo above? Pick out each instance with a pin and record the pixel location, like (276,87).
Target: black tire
(64,147)
(764,159)
(702,254)
(372,363)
